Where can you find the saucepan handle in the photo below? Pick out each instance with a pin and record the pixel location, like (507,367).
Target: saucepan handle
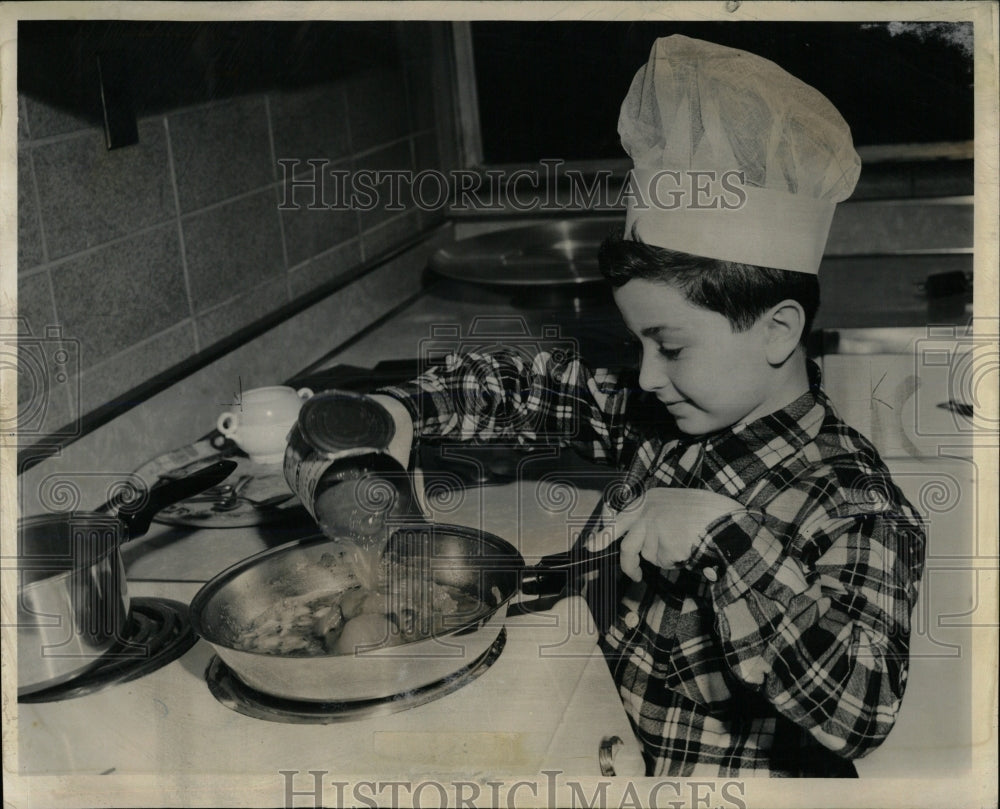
(138,512)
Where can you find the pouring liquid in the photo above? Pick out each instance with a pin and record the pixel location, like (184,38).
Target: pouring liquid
(357,497)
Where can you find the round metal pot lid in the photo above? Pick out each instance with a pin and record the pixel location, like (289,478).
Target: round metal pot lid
(551,254)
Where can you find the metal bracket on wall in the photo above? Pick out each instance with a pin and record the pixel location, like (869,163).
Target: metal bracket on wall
(120,127)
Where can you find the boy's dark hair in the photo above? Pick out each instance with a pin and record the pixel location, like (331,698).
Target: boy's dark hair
(739,292)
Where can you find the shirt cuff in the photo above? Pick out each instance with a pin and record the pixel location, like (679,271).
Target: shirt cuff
(741,546)
(725,540)
(407,396)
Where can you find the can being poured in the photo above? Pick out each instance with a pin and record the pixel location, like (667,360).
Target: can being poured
(337,463)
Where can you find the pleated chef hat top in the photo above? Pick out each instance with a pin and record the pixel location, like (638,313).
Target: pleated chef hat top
(715,111)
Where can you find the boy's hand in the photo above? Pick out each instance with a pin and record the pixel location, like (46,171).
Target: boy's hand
(402,438)
(663,526)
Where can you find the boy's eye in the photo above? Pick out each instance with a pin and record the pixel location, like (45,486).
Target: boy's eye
(670,353)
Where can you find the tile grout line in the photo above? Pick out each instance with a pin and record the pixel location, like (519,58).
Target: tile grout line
(411,116)
(95,248)
(103,414)
(277,185)
(30,272)
(177,326)
(22,113)
(95,129)
(389,144)
(56,262)
(414,169)
(352,157)
(365,153)
(62,137)
(326,253)
(77,405)
(180,233)
(393,220)
(273,184)
(212,103)
(38,208)
(239,296)
(410,110)
(117,357)
(43,243)
(260,189)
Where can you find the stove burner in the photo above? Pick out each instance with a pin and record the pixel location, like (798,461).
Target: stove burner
(237,696)
(158,632)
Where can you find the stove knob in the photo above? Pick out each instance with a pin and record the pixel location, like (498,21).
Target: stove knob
(618,758)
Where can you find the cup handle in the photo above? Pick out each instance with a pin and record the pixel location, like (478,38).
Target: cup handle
(227,424)
(304,393)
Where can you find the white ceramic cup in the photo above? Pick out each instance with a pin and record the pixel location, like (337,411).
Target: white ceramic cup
(262,421)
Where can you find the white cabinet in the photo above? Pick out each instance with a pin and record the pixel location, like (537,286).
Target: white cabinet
(925,393)
(910,391)
(938,724)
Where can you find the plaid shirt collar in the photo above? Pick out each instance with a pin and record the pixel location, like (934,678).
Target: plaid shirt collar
(740,455)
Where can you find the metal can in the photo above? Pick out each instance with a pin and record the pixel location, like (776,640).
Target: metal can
(335,421)
(336,462)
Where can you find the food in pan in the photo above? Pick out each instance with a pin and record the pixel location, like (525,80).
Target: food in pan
(354,601)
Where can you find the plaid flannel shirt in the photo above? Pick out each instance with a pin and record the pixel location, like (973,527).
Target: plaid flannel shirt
(781,647)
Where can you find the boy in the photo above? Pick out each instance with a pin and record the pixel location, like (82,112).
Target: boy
(767,631)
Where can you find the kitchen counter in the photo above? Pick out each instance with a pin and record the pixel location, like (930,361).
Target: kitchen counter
(887,382)
(556,493)
(531,711)
(546,703)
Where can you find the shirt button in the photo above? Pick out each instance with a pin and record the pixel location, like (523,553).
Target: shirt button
(710,573)
(632,619)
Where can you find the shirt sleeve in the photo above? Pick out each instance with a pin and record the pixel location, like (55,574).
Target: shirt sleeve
(506,396)
(827,641)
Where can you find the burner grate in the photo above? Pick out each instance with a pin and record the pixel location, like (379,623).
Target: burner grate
(158,632)
(228,689)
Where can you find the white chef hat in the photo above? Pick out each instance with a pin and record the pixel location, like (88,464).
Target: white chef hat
(733,157)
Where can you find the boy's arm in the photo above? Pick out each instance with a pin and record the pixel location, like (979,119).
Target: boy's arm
(507,396)
(827,643)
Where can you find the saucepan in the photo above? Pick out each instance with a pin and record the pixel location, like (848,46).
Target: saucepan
(73,599)
(473,562)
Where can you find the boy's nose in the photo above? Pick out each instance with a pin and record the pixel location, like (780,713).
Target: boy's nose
(652,376)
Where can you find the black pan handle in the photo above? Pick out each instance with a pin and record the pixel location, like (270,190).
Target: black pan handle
(138,513)
(555,573)
(560,573)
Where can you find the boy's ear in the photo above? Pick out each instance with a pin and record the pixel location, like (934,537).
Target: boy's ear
(784,324)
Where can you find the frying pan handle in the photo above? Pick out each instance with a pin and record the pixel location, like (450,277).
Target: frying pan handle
(165,493)
(556,573)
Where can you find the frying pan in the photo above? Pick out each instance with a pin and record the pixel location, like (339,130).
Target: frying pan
(73,599)
(475,562)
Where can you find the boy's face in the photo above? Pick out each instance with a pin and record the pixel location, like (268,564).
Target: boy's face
(708,376)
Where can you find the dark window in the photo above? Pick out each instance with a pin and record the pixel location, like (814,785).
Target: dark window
(553,90)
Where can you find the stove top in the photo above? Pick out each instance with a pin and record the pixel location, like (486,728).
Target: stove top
(545,702)
(158,632)
(229,690)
